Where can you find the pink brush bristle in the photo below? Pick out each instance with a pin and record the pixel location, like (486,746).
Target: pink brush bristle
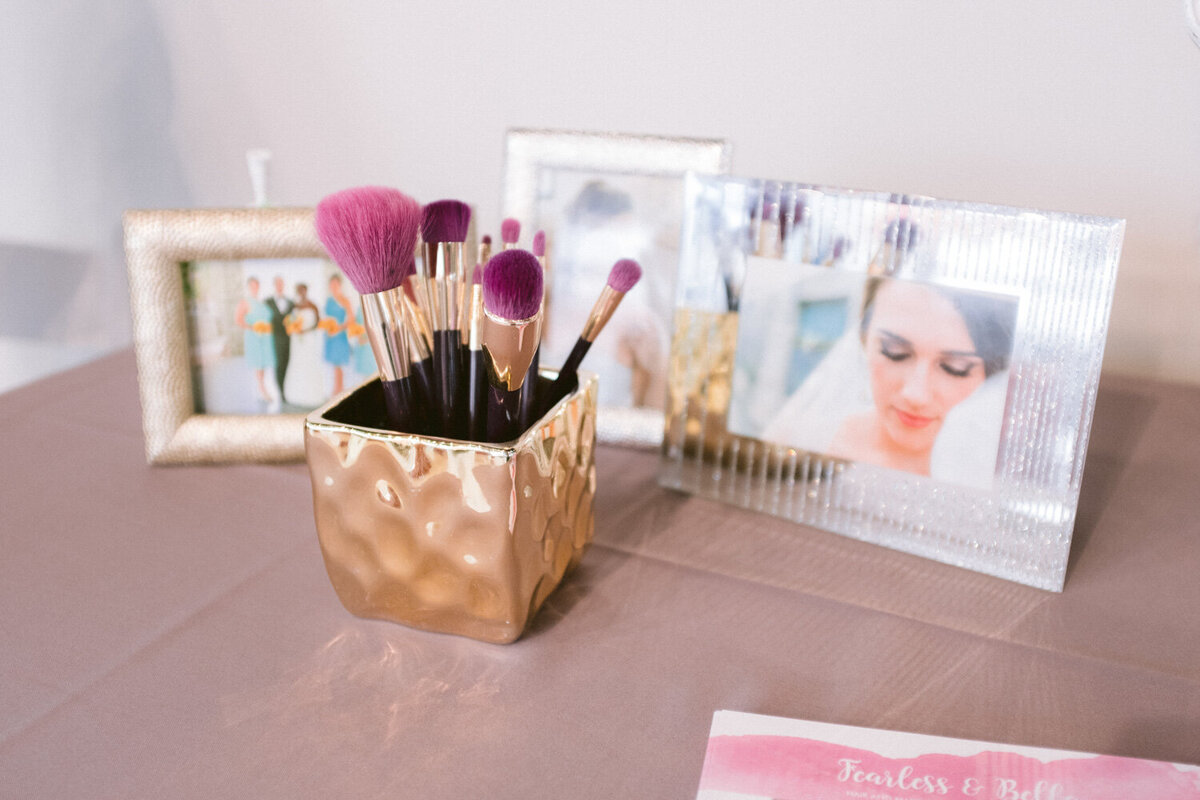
(625,273)
(477,275)
(445,221)
(370,232)
(512,285)
(510,231)
(539,244)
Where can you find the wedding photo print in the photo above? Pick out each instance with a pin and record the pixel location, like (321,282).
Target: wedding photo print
(272,336)
(897,373)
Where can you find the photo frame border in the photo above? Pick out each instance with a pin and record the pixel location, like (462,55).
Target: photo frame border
(157,243)
(527,150)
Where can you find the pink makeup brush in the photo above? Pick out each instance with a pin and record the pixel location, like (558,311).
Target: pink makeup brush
(510,232)
(370,233)
(529,391)
(623,276)
(485,249)
(476,368)
(444,227)
(510,331)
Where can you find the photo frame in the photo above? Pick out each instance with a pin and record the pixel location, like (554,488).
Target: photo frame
(159,244)
(911,372)
(600,197)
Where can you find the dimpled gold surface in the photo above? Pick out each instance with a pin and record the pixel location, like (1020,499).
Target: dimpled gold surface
(452,536)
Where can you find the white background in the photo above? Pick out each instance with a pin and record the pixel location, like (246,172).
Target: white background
(1071,105)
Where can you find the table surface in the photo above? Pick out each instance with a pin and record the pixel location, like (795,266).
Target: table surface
(170,631)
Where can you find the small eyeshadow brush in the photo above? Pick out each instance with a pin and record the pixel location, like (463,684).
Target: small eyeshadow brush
(510,330)
(444,228)
(623,276)
(370,233)
(510,233)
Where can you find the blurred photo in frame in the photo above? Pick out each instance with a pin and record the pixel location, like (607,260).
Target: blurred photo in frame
(600,197)
(907,371)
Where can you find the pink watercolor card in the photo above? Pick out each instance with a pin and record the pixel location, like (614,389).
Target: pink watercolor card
(751,756)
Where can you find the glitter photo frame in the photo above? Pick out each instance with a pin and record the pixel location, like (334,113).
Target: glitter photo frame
(800,386)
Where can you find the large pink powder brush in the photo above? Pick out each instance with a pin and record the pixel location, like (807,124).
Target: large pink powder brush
(370,232)
(623,276)
(510,331)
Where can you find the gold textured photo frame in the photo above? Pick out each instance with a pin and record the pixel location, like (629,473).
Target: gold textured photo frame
(600,197)
(158,245)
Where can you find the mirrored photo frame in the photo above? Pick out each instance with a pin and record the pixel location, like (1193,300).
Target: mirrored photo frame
(160,247)
(600,197)
(912,372)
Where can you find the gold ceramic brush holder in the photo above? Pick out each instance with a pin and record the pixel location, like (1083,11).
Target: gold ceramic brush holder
(451,536)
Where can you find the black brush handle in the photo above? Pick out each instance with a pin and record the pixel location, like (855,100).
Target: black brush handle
(477,403)
(503,414)
(445,351)
(398,400)
(568,376)
(424,395)
(529,394)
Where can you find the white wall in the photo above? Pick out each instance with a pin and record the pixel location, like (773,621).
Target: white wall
(1072,105)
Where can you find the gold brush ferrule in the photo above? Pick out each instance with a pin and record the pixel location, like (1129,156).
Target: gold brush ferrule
(509,345)
(602,312)
(384,321)
(418,317)
(464,311)
(418,348)
(485,252)
(444,264)
(475,319)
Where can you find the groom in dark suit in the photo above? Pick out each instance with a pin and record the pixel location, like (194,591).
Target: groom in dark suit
(280,306)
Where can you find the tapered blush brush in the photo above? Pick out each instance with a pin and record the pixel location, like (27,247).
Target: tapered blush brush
(529,391)
(444,228)
(623,276)
(477,383)
(370,233)
(510,233)
(510,330)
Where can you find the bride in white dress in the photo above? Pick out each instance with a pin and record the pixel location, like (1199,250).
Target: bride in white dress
(305,382)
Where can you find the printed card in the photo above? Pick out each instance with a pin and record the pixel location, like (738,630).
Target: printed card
(751,757)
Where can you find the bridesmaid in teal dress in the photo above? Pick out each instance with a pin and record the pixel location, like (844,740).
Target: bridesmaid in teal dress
(337,343)
(363,355)
(259,345)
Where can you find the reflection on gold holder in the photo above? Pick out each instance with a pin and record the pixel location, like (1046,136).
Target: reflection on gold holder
(450,536)
(697,447)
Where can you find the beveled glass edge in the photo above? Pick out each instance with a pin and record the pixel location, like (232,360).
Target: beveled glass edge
(526,149)
(157,241)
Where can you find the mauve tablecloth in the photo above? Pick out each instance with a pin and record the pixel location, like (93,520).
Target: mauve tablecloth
(170,631)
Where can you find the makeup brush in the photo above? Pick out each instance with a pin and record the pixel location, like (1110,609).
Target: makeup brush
(510,232)
(485,249)
(529,391)
(477,382)
(444,227)
(509,330)
(623,276)
(900,238)
(370,233)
